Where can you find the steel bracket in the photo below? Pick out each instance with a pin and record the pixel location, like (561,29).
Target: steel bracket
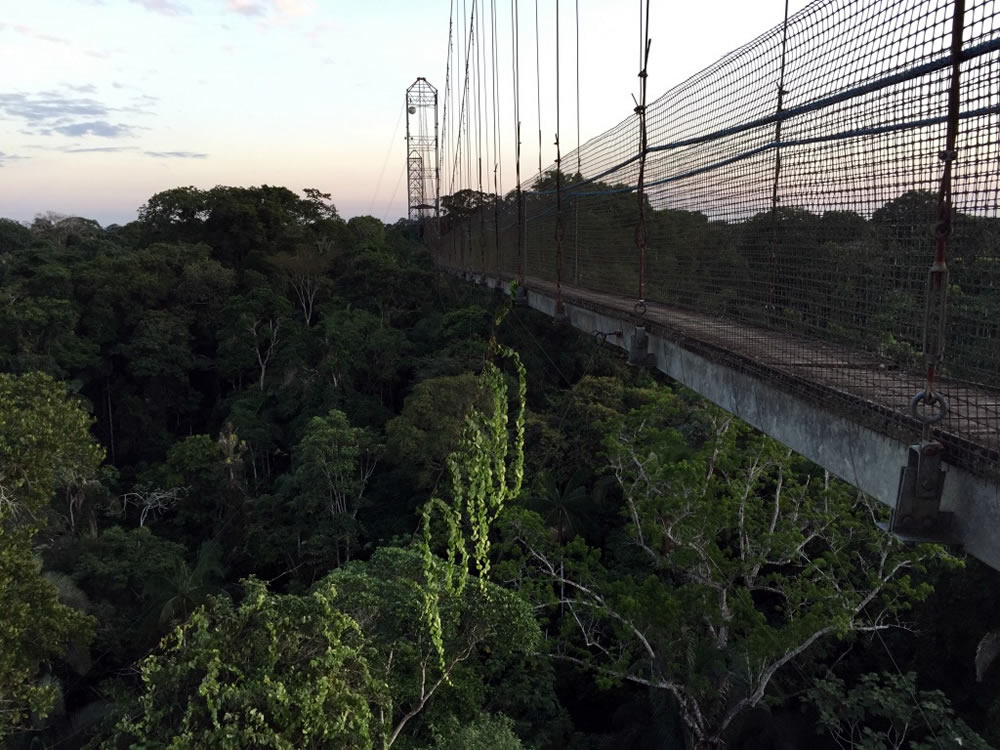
(638,349)
(917,516)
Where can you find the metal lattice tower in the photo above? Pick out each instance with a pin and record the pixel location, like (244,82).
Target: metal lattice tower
(422,151)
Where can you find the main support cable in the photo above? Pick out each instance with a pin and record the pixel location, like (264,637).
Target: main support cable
(937,277)
(640,109)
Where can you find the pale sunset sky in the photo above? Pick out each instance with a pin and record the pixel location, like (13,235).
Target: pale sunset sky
(105,102)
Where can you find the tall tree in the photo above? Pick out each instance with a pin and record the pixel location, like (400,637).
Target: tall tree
(45,446)
(739,561)
(332,466)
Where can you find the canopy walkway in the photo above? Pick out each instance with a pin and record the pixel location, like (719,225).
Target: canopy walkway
(808,234)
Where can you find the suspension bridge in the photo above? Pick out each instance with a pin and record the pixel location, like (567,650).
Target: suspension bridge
(806,233)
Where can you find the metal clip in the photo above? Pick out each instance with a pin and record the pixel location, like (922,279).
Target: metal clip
(917,516)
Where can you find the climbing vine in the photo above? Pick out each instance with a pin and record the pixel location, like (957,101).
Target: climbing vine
(485,471)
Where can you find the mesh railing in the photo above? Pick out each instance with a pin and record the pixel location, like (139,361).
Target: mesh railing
(795,243)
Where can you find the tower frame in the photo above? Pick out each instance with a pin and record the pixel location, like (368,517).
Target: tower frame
(422,168)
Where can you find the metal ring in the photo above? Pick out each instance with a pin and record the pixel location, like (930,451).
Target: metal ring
(601,336)
(938,400)
(640,308)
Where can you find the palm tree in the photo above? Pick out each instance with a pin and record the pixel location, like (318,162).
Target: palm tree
(173,597)
(569,510)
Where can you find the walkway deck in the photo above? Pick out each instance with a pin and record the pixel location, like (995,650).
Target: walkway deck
(847,381)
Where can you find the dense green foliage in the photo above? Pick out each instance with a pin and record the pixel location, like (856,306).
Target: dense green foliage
(268,479)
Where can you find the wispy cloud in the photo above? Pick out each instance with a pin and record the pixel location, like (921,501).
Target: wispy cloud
(4,158)
(176,154)
(19,28)
(33,33)
(100,128)
(246,7)
(98,150)
(84,88)
(164,7)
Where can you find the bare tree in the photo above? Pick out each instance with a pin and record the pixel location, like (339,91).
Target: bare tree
(151,500)
(305,270)
(749,562)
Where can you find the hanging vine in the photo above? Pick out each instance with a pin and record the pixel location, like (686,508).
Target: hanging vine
(485,471)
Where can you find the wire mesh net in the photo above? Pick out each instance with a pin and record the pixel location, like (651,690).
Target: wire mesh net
(791,196)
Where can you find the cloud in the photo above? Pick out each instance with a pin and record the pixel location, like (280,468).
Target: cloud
(246,7)
(4,158)
(85,88)
(51,112)
(49,107)
(98,150)
(164,7)
(19,28)
(99,128)
(176,154)
(33,33)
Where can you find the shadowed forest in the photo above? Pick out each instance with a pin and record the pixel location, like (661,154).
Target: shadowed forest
(269,479)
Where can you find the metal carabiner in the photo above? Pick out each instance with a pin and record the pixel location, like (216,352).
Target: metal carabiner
(935,399)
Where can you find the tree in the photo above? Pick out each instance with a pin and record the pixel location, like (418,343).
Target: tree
(318,206)
(486,733)
(887,712)
(253,333)
(429,428)
(739,561)
(122,572)
(305,271)
(385,596)
(45,446)
(275,671)
(332,465)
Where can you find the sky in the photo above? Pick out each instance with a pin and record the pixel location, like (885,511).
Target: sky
(104,103)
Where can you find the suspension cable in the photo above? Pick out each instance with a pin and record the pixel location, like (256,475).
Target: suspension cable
(559,217)
(640,109)
(579,151)
(516,64)
(446,127)
(462,114)
(497,170)
(937,278)
(538,92)
(773,282)
(479,51)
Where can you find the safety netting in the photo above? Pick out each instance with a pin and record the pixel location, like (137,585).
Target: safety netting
(790,212)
